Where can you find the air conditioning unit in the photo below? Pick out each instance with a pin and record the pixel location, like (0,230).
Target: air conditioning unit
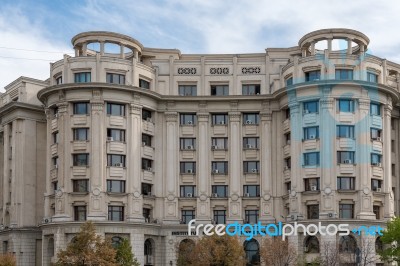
(214,147)
(288,191)
(190,122)
(215,195)
(189,171)
(377,164)
(293,217)
(143,144)
(311,137)
(254,170)
(249,146)
(379,139)
(331,215)
(247,195)
(288,142)
(189,195)
(119,165)
(189,147)
(286,167)
(378,189)
(46,220)
(110,138)
(221,122)
(248,122)
(313,188)
(149,169)
(306,111)
(215,171)
(56,115)
(347,161)
(56,166)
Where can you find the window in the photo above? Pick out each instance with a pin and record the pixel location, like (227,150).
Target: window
(115,78)
(372,77)
(115,134)
(219,167)
(147,165)
(81,159)
(313,211)
(116,160)
(376,159)
(312,244)
(375,109)
(346,211)
(345,183)
(345,131)
(250,89)
(144,84)
(219,90)
(251,190)
(55,137)
(377,212)
(220,216)
(55,161)
(187,216)
(82,77)
(81,108)
(251,216)
(220,119)
(187,90)
(146,115)
(287,162)
(344,74)
(313,75)
(311,158)
(80,213)
(376,134)
(81,134)
(345,106)
(80,185)
(289,81)
(345,157)
(252,250)
(187,119)
(146,140)
(311,184)
(116,186)
(347,244)
(251,118)
(146,214)
(115,213)
(376,184)
(187,143)
(251,143)
(188,191)
(115,109)
(287,138)
(251,167)
(219,143)
(55,186)
(188,167)
(288,186)
(378,247)
(311,133)
(147,189)
(219,191)
(116,241)
(311,107)
(59,80)
(287,113)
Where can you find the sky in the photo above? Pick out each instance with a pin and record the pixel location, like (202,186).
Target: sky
(34,33)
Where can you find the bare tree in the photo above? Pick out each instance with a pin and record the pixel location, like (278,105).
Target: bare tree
(277,252)
(366,253)
(329,254)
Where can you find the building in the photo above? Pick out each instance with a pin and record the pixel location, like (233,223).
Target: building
(142,140)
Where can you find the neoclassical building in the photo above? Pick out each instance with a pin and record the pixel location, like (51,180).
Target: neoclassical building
(143,140)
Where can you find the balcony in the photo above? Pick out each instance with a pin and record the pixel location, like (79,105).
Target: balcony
(377,145)
(79,120)
(346,117)
(220,129)
(79,145)
(148,175)
(310,118)
(250,129)
(116,147)
(53,149)
(147,152)
(311,144)
(346,143)
(376,121)
(54,124)
(187,130)
(347,169)
(80,171)
(115,171)
(377,170)
(148,127)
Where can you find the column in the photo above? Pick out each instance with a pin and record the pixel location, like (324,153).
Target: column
(171,76)
(49,164)
(202,86)
(101,48)
(134,173)
(312,48)
(6,170)
(235,170)
(121,51)
(76,51)
(387,161)
(349,47)
(84,49)
(234,78)
(329,45)
(171,173)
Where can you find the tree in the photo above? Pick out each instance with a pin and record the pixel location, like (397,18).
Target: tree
(391,237)
(329,254)
(7,259)
(277,252)
(124,256)
(185,252)
(88,249)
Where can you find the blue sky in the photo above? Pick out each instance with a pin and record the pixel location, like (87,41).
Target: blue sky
(196,26)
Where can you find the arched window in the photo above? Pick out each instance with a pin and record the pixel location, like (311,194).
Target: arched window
(116,241)
(148,252)
(378,244)
(311,245)
(251,248)
(347,244)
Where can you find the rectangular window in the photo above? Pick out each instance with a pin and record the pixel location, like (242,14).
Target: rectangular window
(146,115)
(220,119)
(55,186)
(375,109)
(81,134)
(250,89)
(81,108)
(311,158)
(376,159)
(55,161)
(345,106)
(311,184)
(80,213)
(188,167)
(80,185)
(344,74)
(220,216)
(289,81)
(144,84)
(116,213)
(115,109)
(187,216)
(187,143)
(251,143)
(219,167)
(116,186)
(377,211)
(147,165)
(311,133)
(146,140)
(55,137)
(287,113)
(116,160)
(219,191)
(372,77)
(251,191)
(287,163)
(345,157)
(313,75)
(376,134)
(115,78)
(59,80)
(345,183)
(346,211)
(82,77)
(311,107)
(345,132)
(313,211)
(376,185)
(187,90)
(251,216)
(147,189)
(115,134)
(219,90)
(146,214)
(219,143)
(251,118)
(288,186)
(81,159)
(287,138)
(187,119)
(251,167)
(188,191)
